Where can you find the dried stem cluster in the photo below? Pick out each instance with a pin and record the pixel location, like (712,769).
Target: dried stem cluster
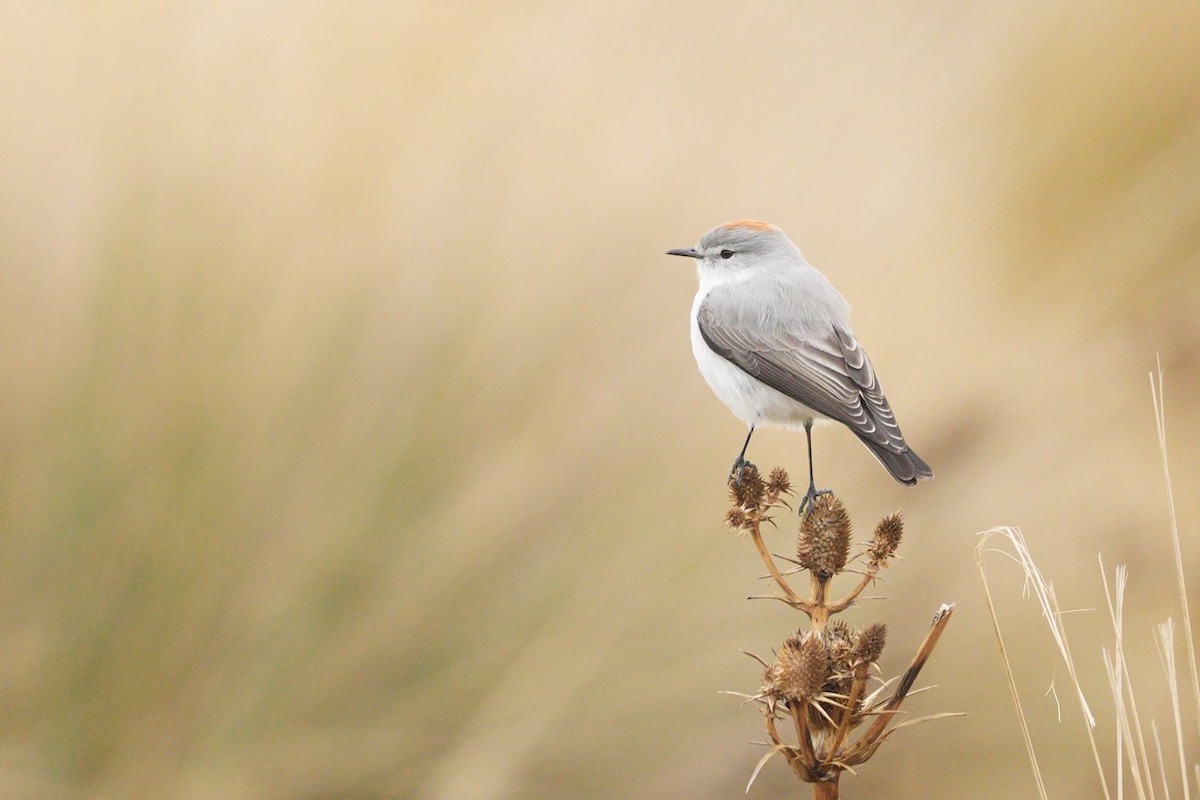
(823,682)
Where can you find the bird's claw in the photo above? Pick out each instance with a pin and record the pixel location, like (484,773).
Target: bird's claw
(810,497)
(738,472)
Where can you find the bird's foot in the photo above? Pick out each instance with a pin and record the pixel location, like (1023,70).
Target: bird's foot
(810,497)
(738,472)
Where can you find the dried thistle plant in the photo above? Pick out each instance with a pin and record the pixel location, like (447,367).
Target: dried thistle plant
(823,683)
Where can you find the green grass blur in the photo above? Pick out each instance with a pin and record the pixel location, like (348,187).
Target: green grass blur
(350,440)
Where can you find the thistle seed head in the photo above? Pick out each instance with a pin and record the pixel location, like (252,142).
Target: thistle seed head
(779,482)
(839,639)
(824,542)
(887,537)
(800,669)
(736,518)
(746,487)
(868,644)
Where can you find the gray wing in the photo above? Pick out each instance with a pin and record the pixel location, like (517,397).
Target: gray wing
(828,371)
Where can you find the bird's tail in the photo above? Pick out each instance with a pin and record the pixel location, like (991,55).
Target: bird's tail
(905,466)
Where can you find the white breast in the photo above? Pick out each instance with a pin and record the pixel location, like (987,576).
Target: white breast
(748,398)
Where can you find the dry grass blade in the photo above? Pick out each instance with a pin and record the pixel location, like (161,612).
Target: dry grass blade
(1165,640)
(1124,702)
(1043,591)
(1160,423)
(1146,765)
(1008,670)
(1117,682)
(1162,765)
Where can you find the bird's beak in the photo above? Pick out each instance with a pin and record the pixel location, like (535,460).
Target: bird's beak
(690,252)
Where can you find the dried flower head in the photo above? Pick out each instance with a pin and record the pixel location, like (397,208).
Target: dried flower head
(868,645)
(887,537)
(837,628)
(746,487)
(779,482)
(839,639)
(800,669)
(824,542)
(736,518)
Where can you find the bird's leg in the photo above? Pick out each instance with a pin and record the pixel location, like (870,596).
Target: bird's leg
(739,464)
(806,503)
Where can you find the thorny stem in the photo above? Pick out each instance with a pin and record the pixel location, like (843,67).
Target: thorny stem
(773,732)
(800,717)
(790,753)
(819,614)
(827,790)
(860,678)
(824,748)
(909,678)
(852,595)
(791,597)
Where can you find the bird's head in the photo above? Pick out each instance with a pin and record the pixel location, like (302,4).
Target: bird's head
(737,246)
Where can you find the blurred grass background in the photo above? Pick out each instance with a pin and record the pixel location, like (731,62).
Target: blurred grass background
(351,441)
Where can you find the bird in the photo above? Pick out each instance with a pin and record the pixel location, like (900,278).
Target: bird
(772,338)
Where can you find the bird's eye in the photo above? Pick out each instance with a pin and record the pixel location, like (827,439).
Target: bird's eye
(726,254)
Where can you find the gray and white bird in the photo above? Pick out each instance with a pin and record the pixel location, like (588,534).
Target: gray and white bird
(772,338)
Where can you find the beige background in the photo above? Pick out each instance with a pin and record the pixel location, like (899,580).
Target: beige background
(351,440)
